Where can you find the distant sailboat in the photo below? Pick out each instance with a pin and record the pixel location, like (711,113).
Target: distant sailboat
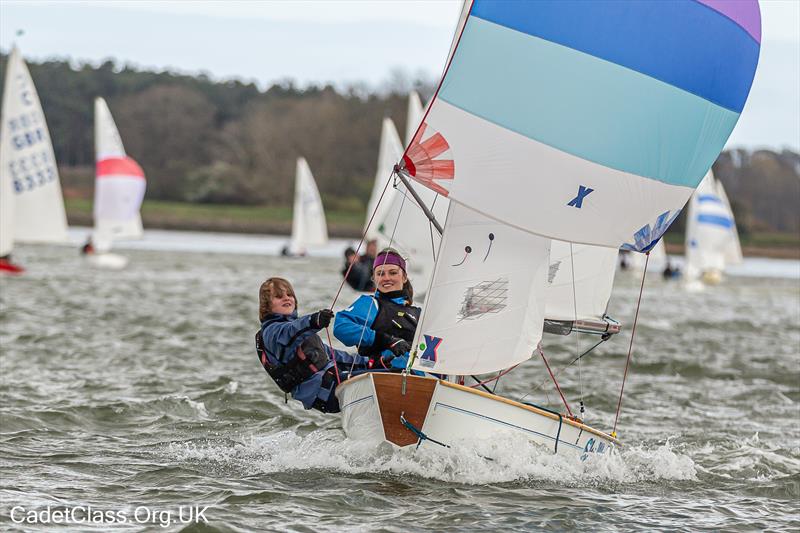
(308,217)
(31,203)
(712,242)
(399,222)
(552,121)
(118,191)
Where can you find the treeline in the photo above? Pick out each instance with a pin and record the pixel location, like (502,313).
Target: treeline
(200,140)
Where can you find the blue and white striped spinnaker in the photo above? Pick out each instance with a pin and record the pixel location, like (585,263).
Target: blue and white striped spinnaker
(588,122)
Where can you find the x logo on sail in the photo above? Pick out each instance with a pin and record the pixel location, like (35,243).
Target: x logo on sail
(583,192)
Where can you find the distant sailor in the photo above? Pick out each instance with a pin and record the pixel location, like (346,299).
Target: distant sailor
(88,248)
(291,352)
(357,274)
(382,325)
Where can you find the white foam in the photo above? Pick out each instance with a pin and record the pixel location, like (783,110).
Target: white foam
(511,459)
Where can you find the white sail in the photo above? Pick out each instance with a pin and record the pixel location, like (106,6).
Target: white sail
(119,184)
(485,305)
(27,164)
(390,152)
(413,116)
(587,298)
(308,218)
(711,238)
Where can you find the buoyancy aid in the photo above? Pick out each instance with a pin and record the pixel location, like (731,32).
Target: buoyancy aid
(310,357)
(397,320)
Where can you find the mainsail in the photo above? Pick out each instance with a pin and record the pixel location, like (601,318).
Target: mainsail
(119,184)
(585,122)
(31,204)
(308,218)
(711,238)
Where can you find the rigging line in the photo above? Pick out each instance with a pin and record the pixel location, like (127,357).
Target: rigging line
(363,236)
(560,370)
(333,358)
(563,399)
(630,346)
(575,310)
(498,376)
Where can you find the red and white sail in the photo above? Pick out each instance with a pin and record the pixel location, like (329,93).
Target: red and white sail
(119,184)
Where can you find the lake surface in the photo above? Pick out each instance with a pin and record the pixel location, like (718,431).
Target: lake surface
(138,393)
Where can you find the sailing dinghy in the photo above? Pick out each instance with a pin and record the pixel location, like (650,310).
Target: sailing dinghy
(308,217)
(712,241)
(119,189)
(31,204)
(589,123)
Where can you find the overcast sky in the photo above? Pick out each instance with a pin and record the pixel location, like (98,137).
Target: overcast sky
(340,42)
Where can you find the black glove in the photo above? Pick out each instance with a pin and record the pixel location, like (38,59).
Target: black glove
(321,319)
(386,360)
(399,347)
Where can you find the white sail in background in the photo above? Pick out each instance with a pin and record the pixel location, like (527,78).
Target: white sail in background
(390,152)
(119,184)
(595,267)
(308,218)
(399,222)
(712,241)
(28,167)
(413,116)
(485,306)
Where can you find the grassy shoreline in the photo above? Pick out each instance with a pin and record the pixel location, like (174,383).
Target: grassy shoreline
(277,220)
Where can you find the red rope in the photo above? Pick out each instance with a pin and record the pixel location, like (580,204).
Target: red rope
(541,352)
(630,346)
(498,376)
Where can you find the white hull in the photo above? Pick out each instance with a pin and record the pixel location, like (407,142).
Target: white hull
(371,405)
(108,261)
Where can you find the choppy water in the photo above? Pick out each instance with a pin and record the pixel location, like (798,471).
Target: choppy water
(136,392)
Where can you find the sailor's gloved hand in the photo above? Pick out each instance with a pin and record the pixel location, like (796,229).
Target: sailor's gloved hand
(321,319)
(399,346)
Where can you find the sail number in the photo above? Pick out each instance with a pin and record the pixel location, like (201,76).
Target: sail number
(32,171)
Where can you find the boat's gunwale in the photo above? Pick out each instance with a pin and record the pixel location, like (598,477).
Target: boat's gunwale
(508,401)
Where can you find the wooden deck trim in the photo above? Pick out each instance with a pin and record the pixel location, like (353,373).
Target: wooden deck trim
(532,409)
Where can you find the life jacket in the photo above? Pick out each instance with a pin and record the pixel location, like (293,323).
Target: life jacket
(310,357)
(397,320)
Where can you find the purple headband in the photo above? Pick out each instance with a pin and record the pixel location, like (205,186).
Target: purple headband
(389,258)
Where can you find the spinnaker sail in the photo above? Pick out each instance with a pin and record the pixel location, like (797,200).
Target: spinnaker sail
(584,122)
(119,184)
(588,122)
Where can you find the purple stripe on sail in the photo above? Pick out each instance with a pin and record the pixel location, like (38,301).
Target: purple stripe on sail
(745,13)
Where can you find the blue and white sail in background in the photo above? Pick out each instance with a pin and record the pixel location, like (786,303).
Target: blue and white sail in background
(584,122)
(712,241)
